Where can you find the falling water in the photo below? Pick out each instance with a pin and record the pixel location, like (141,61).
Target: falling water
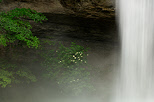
(136,20)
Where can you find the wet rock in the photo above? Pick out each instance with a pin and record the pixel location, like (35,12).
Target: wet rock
(91,8)
(42,6)
(86,8)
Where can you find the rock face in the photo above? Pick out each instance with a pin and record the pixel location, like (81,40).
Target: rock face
(43,6)
(91,8)
(86,8)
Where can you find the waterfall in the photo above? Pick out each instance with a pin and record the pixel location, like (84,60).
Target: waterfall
(136,78)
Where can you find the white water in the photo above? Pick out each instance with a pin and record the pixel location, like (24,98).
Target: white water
(136,20)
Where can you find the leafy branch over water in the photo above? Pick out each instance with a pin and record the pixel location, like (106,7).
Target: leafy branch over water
(12,28)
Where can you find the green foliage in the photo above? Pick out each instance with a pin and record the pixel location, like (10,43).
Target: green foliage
(5,77)
(75,82)
(11,73)
(66,66)
(24,75)
(13,28)
(71,56)
(66,58)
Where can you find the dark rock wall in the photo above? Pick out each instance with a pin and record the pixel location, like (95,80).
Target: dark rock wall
(86,8)
(43,6)
(91,8)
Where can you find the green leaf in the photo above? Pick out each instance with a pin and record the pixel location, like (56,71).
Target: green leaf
(17,29)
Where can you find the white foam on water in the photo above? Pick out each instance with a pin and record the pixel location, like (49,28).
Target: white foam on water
(136,78)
